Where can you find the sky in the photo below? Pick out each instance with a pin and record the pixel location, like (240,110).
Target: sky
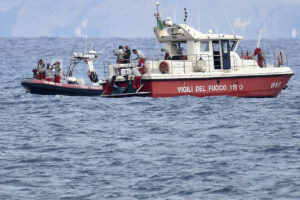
(134,18)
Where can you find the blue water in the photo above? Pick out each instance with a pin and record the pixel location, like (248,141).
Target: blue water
(61,147)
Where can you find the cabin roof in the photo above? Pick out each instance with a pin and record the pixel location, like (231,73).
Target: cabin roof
(183,32)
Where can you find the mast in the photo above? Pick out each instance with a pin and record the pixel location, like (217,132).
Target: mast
(157,14)
(259,38)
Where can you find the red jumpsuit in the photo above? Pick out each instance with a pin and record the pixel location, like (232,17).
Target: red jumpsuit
(141,64)
(257,51)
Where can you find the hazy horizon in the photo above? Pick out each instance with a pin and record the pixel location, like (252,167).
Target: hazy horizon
(135,19)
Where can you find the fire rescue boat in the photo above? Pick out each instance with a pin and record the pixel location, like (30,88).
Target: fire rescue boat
(68,85)
(210,66)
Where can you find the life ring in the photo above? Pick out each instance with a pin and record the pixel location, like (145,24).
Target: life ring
(280,58)
(164,67)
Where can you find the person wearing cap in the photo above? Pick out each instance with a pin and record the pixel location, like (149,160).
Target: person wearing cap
(120,55)
(57,70)
(141,58)
(127,54)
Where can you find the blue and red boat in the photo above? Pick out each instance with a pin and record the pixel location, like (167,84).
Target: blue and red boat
(67,85)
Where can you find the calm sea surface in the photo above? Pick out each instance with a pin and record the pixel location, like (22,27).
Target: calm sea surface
(61,147)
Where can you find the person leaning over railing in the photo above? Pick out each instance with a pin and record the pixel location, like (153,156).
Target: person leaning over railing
(141,58)
(136,83)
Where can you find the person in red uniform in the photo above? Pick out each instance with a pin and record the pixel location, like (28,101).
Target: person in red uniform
(49,73)
(141,58)
(120,55)
(179,52)
(257,52)
(57,70)
(39,70)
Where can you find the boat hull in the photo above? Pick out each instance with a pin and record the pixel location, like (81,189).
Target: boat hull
(246,86)
(50,88)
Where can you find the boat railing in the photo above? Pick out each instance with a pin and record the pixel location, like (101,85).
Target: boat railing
(202,63)
(106,68)
(268,57)
(196,63)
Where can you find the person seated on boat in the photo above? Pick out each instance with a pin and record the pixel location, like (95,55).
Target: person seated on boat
(178,55)
(141,59)
(167,55)
(49,73)
(38,71)
(137,78)
(120,55)
(127,54)
(181,56)
(57,70)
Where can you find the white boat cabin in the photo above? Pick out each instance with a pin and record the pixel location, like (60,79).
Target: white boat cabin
(188,52)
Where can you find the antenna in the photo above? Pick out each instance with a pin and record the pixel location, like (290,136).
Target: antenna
(157,14)
(84,25)
(199,16)
(228,19)
(85,41)
(259,37)
(185,15)
(175,10)
(213,22)
(149,11)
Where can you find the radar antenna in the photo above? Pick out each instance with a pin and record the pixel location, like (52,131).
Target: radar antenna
(157,14)
(185,15)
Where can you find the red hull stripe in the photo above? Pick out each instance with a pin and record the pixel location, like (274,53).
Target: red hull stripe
(253,86)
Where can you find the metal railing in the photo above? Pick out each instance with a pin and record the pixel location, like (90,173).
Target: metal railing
(212,62)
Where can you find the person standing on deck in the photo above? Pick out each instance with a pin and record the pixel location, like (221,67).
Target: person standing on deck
(127,54)
(57,70)
(41,70)
(141,58)
(120,55)
(49,73)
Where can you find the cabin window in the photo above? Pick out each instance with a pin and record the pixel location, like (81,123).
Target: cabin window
(232,45)
(216,54)
(204,46)
(225,46)
(216,46)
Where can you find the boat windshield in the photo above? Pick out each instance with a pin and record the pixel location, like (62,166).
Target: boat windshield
(232,45)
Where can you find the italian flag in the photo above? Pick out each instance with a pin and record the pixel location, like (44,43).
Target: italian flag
(160,24)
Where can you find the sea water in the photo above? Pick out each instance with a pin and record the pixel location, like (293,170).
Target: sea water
(61,147)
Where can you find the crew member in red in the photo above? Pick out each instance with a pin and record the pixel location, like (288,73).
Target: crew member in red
(49,73)
(137,78)
(39,70)
(167,55)
(257,51)
(179,52)
(57,70)
(141,58)
(120,55)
